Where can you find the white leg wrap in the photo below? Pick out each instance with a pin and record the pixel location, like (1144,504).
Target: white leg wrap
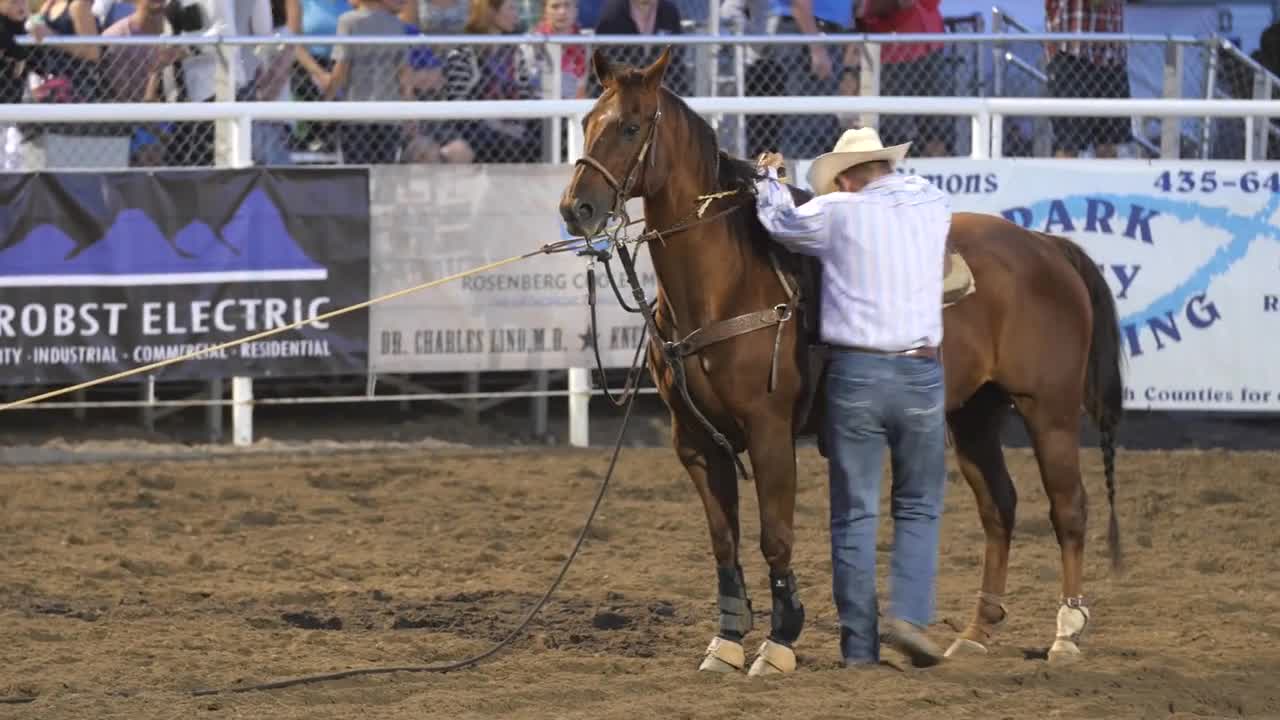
(773,659)
(1073,618)
(723,656)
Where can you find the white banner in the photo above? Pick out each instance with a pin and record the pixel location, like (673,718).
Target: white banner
(1190,250)
(430,221)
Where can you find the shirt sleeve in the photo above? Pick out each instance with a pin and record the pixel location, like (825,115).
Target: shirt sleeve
(342,52)
(805,229)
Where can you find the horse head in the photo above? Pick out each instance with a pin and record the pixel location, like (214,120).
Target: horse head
(618,159)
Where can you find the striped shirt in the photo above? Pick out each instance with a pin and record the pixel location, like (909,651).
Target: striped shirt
(882,251)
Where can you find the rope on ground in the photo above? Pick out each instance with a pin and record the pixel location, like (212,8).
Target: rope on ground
(466,662)
(561,246)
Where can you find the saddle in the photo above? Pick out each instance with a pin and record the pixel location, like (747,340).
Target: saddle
(957,284)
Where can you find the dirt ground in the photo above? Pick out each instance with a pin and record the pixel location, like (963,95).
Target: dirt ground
(125,585)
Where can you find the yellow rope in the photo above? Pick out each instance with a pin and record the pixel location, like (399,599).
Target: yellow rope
(708,199)
(267,333)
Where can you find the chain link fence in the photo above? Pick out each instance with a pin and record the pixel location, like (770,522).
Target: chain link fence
(963,62)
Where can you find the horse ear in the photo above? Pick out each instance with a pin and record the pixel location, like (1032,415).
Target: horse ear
(654,73)
(601,66)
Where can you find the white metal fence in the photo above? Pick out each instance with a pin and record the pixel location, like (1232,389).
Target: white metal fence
(985,116)
(1004,64)
(1181,127)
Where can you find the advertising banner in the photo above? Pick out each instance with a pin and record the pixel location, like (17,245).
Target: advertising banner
(1191,251)
(431,221)
(103,272)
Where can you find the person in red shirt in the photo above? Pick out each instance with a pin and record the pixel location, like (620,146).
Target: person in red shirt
(912,69)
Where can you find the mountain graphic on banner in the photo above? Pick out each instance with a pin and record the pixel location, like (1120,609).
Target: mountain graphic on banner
(255,246)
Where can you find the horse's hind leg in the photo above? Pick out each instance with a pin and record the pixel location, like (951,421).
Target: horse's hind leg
(976,430)
(773,460)
(1053,423)
(714,478)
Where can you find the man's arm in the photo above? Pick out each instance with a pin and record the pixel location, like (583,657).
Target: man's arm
(805,229)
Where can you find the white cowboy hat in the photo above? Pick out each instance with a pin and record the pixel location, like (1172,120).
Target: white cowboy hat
(853,148)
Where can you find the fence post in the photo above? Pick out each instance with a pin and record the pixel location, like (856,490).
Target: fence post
(1211,48)
(579,402)
(1171,127)
(1258,135)
(996,138)
(579,377)
(982,133)
(869,81)
(242,411)
(233,146)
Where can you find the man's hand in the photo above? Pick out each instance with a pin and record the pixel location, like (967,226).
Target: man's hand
(772,160)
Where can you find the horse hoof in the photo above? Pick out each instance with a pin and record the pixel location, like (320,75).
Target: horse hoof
(964,647)
(773,659)
(1064,652)
(723,656)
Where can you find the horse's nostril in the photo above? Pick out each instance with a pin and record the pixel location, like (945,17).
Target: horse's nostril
(585,211)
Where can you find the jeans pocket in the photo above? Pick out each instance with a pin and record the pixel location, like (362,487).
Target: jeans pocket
(921,374)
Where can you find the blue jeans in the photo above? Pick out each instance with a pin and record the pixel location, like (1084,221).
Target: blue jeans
(874,400)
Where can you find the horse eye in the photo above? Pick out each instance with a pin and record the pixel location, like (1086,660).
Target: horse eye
(631,130)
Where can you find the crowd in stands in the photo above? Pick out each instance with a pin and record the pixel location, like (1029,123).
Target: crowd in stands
(316,73)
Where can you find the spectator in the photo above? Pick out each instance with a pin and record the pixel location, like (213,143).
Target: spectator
(314,63)
(193,143)
(369,73)
(912,69)
(559,17)
(70,73)
(762,75)
(271,83)
(811,70)
(13,71)
(426,72)
(132,73)
(436,17)
(643,17)
(110,12)
(1079,69)
(13,57)
(1268,56)
(491,72)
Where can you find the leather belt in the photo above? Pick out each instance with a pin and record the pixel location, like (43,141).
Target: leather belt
(928,351)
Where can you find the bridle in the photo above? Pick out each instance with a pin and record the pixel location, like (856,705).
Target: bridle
(673,352)
(622,190)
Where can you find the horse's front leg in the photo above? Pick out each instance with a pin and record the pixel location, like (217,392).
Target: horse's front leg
(771,446)
(714,478)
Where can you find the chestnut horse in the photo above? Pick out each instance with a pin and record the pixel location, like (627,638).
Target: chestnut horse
(1040,334)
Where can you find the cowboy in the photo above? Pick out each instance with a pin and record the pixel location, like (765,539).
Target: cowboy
(881,237)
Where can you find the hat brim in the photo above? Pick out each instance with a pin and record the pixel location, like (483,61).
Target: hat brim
(825,167)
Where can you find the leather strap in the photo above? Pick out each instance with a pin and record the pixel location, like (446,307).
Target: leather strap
(733,327)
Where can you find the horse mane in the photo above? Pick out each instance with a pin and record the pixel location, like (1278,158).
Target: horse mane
(735,174)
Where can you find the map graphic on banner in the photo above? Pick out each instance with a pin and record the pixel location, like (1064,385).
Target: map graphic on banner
(432,221)
(105,272)
(1191,251)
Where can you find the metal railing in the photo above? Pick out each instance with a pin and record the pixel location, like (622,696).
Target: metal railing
(1163,63)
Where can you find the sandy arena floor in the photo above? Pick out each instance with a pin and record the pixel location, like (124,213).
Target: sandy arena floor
(125,585)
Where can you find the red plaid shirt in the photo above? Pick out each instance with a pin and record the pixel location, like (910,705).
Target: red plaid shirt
(1087,16)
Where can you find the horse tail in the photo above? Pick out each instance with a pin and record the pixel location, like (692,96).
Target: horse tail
(1104,381)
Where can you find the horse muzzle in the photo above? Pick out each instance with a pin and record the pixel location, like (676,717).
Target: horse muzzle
(582,218)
